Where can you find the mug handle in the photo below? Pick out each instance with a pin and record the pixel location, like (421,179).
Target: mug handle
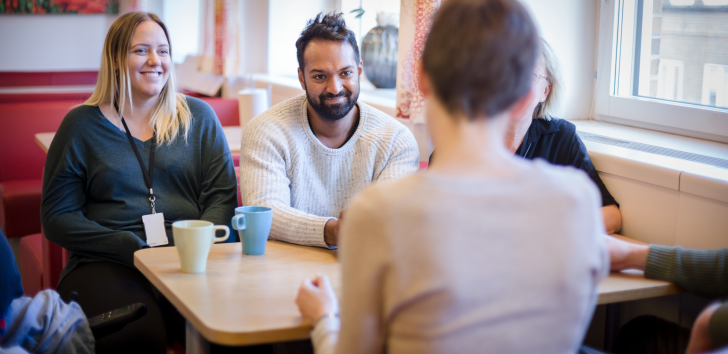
(236,222)
(221,238)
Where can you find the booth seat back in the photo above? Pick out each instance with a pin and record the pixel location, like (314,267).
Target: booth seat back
(20,156)
(22,160)
(47,78)
(226,110)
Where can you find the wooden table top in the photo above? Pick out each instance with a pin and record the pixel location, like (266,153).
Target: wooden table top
(632,285)
(241,299)
(244,300)
(44,140)
(233,134)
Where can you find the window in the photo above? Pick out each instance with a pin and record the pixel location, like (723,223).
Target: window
(670,80)
(663,65)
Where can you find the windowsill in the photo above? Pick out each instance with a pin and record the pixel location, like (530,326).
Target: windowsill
(669,172)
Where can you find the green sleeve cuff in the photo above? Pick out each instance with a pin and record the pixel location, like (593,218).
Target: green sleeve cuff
(660,263)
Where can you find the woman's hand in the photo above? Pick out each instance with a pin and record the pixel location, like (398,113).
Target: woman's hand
(316,298)
(626,253)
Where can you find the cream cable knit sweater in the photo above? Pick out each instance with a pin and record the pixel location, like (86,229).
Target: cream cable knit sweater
(284,166)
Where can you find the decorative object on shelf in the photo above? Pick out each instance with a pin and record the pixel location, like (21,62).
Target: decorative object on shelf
(379,52)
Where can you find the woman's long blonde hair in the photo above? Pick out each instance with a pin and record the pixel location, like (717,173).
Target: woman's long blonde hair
(172,114)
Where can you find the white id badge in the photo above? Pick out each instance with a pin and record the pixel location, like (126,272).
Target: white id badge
(155,230)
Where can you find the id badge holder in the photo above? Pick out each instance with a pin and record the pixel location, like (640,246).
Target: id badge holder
(155,230)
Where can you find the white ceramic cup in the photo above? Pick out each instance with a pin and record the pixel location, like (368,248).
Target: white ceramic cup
(193,239)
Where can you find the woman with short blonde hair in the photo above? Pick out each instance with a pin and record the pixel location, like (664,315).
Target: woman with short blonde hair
(136,156)
(549,107)
(539,134)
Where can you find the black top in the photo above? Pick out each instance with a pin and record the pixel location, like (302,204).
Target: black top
(94,194)
(556,141)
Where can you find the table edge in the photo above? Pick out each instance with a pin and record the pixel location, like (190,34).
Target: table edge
(40,143)
(218,336)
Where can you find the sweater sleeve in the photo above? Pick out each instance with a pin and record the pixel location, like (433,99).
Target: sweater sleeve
(218,197)
(325,336)
(403,159)
(703,272)
(63,205)
(264,182)
(365,258)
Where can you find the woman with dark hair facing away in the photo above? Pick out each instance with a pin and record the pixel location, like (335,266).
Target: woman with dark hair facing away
(538,134)
(457,260)
(136,156)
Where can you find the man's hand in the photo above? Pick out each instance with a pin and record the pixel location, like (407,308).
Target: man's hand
(626,254)
(700,341)
(331,230)
(316,298)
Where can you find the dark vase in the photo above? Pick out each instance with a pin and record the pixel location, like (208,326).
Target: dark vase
(379,54)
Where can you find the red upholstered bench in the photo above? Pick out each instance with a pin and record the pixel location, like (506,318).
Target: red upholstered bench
(228,114)
(22,161)
(41,262)
(226,110)
(31,263)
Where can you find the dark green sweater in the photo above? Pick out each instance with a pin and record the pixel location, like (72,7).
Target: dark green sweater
(94,193)
(703,272)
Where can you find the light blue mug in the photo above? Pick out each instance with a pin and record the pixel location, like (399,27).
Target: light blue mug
(253,225)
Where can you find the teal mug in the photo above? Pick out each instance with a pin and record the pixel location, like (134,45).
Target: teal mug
(253,225)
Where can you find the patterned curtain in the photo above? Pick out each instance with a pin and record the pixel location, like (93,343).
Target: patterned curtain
(414,25)
(219,51)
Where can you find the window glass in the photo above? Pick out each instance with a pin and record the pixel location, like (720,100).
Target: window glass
(673,50)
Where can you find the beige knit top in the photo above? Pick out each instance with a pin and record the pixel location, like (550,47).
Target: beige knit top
(441,264)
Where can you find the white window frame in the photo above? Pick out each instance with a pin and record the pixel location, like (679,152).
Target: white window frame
(667,116)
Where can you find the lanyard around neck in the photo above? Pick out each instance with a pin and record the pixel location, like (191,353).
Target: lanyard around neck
(147,173)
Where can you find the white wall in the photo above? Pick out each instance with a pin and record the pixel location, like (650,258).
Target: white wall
(254,36)
(287,20)
(182,18)
(65,42)
(570,27)
(52,42)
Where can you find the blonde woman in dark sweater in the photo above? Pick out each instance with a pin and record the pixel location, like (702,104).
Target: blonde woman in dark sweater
(137,147)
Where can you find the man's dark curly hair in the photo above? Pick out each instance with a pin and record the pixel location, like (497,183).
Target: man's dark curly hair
(330,27)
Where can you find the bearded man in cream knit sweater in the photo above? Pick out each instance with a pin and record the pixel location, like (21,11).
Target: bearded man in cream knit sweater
(306,158)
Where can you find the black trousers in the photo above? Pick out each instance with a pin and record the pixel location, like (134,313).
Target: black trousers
(105,286)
